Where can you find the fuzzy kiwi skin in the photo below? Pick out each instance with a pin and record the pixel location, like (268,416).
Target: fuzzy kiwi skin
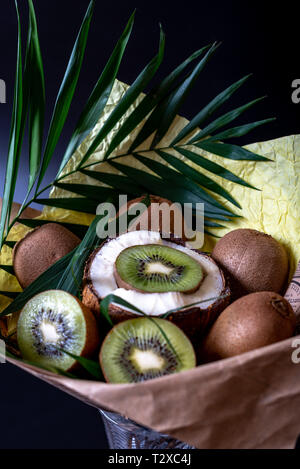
(92,338)
(253,261)
(251,322)
(144,221)
(193,321)
(92,341)
(40,249)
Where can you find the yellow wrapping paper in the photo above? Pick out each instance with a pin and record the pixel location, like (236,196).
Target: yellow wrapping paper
(250,401)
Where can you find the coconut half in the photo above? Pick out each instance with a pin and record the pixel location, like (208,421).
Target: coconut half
(99,281)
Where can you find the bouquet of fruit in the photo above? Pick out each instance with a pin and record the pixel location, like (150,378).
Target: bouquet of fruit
(185,341)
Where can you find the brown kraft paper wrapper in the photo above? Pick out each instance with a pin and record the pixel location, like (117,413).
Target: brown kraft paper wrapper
(249,401)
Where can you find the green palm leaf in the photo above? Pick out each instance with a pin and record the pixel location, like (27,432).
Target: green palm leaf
(121,183)
(66,92)
(233,152)
(15,141)
(173,103)
(86,190)
(91,366)
(172,176)
(78,230)
(82,204)
(155,97)
(213,167)
(8,268)
(10,244)
(167,107)
(239,131)
(99,96)
(71,278)
(10,294)
(208,110)
(223,120)
(174,192)
(37,98)
(128,99)
(139,84)
(196,176)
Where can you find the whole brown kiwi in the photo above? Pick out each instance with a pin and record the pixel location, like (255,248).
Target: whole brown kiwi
(152,219)
(254,261)
(253,321)
(40,249)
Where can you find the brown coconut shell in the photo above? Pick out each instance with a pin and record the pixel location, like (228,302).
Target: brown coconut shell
(193,321)
(40,249)
(254,261)
(253,321)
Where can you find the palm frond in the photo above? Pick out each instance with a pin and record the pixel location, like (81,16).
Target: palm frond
(209,109)
(15,140)
(223,120)
(99,97)
(77,204)
(195,176)
(8,268)
(36,98)
(77,229)
(121,183)
(10,294)
(174,167)
(66,92)
(128,99)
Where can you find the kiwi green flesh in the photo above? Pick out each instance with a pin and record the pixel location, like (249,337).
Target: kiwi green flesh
(136,350)
(49,322)
(154,268)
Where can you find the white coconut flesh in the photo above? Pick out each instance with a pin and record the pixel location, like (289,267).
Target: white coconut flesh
(102,276)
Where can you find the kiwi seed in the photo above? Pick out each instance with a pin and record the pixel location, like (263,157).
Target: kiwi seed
(136,350)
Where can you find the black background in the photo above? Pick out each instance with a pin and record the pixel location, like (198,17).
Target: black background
(257,37)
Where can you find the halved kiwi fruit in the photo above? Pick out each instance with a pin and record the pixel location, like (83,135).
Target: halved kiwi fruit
(154,268)
(101,277)
(54,321)
(137,350)
(40,249)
